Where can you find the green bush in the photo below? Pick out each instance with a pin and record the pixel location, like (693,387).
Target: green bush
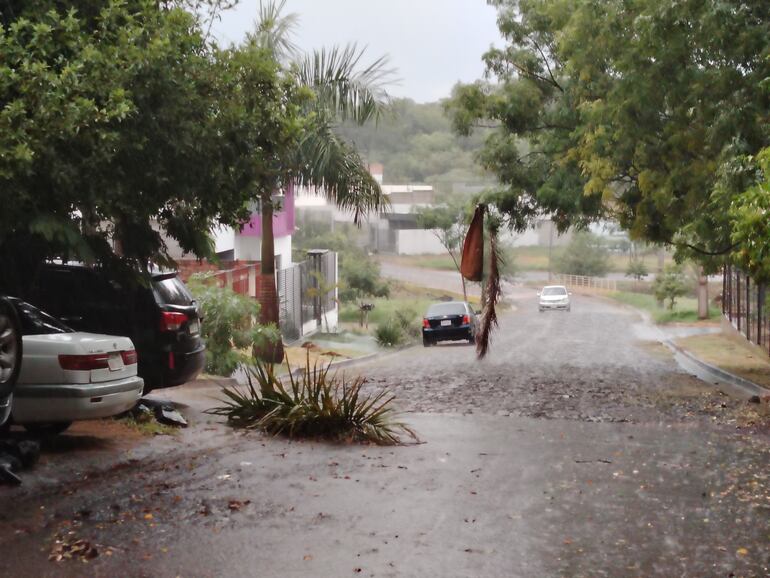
(229,326)
(585,255)
(407,320)
(389,334)
(671,284)
(360,277)
(637,269)
(315,404)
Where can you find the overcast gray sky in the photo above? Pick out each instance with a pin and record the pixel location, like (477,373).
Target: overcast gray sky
(432,43)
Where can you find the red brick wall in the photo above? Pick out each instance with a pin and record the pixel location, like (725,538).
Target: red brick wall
(188,267)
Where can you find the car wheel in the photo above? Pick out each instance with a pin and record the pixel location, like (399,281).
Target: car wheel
(426,343)
(10,351)
(47,429)
(541,310)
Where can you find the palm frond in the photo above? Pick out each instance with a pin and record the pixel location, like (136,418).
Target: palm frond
(274,30)
(343,86)
(332,167)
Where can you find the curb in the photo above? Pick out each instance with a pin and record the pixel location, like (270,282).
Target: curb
(740,382)
(717,373)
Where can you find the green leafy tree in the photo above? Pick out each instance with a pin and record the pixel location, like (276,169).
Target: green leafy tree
(637,269)
(360,279)
(449,223)
(229,328)
(340,89)
(670,285)
(585,255)
(119,125)
(625,109)
(751,226)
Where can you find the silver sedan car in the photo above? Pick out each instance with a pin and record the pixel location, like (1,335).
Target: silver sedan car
(554,297)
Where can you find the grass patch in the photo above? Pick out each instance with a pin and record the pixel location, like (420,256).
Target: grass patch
(148,426)
(730,355)
(403,297)
(317,405)
(685,310)
(532,258)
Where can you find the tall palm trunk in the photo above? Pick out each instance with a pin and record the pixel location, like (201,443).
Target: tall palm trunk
(271,352)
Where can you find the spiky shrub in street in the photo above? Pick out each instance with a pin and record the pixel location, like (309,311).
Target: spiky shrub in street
(315,403)
(389,334)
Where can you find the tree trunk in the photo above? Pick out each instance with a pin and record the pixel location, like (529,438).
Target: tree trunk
(703,295)
(661,266)
(267,295)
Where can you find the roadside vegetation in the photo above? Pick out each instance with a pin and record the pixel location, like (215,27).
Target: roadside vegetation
(230,328)
(685,310)
(534,258)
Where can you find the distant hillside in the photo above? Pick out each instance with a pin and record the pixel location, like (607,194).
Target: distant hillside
(416,145)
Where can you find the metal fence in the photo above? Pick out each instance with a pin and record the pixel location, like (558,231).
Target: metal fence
(587,283)
(745,305)
(305,291)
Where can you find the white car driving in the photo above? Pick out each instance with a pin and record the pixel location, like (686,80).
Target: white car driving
(68,376)
(554,297)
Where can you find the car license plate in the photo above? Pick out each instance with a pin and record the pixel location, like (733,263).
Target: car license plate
(115,362)
(446,322)
(195,327)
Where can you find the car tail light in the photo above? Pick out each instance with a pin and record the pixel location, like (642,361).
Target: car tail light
(84,362)
(129,357)
(466,320)
(426,323)
(172,321)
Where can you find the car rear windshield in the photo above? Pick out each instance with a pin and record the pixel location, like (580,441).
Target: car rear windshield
(447,309)
(554,291)
(172,291)
(36,322)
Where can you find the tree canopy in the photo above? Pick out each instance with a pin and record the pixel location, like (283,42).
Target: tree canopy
(645,111)
(120,124)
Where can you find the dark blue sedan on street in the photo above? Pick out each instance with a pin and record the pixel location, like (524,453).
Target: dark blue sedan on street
(450,321)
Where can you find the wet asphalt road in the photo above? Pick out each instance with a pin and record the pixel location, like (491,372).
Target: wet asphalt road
(578,448)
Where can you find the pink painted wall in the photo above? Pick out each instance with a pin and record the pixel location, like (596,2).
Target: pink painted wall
(283,221)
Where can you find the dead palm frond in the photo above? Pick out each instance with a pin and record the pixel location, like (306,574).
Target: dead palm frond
(492,292)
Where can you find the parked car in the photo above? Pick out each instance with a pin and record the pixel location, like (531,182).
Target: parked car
(450,321)
(161,318)
(554,297)
(11,347)
(68,376)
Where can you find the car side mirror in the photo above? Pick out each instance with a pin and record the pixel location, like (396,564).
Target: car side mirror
(538,293)
(570,293)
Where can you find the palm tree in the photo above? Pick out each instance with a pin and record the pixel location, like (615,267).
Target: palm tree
(343,90)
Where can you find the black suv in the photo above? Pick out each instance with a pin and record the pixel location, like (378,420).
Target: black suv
(161,318)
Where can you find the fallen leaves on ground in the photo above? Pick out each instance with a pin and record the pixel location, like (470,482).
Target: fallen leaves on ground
(68,548)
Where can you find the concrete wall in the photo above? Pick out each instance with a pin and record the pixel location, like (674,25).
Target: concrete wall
(418,242)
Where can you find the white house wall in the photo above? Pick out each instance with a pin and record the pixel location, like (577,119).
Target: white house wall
(250,249)
(418,242)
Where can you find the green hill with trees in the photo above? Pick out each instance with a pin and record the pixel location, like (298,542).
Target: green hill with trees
(416,144)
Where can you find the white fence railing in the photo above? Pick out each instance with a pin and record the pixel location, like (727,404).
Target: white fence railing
(586,283)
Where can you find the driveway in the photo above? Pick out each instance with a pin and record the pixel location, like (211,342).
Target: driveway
(579,448)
